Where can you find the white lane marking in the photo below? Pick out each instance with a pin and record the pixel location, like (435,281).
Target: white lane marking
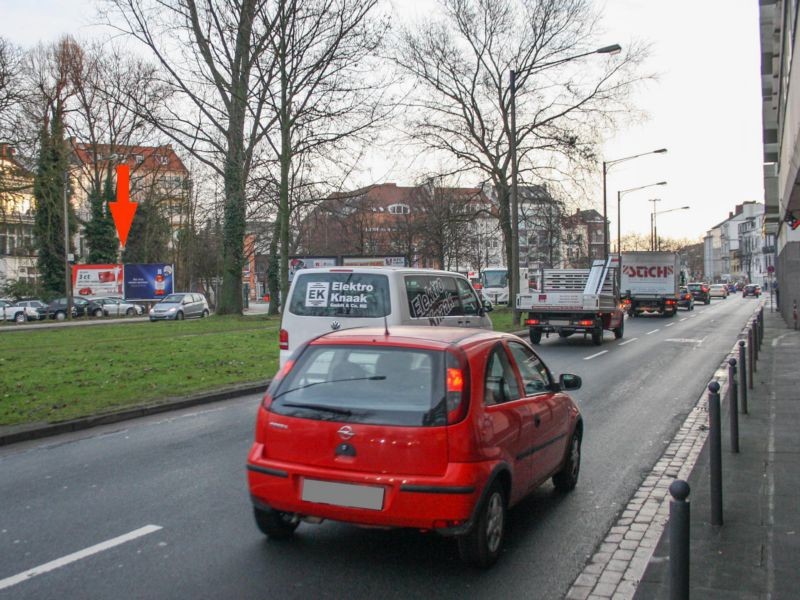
(628,341)
(683,319)
(76,556)
(649,332)
(670,325)
(684,340)
(595,355)
(692,316)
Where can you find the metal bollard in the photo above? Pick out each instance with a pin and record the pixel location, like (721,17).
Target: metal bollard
(733,402)
(715,452)
(743,376)
(761,325)
(679,513)
(756,345)
(750,368)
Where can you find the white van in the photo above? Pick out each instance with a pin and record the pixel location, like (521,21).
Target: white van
(331,298)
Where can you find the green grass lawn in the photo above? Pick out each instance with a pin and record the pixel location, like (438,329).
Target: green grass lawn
(58,374)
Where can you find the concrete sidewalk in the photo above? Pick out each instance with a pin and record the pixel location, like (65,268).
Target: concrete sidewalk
(756,552)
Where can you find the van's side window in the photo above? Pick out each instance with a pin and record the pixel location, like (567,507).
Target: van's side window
(432,296)
(469,301)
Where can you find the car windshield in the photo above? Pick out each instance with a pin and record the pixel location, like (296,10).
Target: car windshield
(173,299)
(365,384)
(695,286)
(340,294)
(494,279)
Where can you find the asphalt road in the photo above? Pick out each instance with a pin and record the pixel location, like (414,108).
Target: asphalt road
(183,475)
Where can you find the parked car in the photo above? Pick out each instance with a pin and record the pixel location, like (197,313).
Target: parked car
(57,309)
(751,289)
(718,290)
(20,314)
(37,305)
(685,299)
(116,307)
(436,428)
(700,292)
(177,307)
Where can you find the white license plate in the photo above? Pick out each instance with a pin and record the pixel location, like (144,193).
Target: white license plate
(559,323)
(343,494)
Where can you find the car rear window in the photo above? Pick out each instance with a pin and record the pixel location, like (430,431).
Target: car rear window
(340,294)
(365,384)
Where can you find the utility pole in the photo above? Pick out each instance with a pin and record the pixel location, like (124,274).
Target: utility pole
(67,269)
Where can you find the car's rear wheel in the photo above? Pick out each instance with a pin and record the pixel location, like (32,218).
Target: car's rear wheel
(20,317)
(98,312)
(567,478)
(179,316)
(130,312)
(60,315)
(204,315)
(536,336)
(481,546)
(620,331)
(274,523)
(708,300)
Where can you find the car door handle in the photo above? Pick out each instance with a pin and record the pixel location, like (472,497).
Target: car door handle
(537,420)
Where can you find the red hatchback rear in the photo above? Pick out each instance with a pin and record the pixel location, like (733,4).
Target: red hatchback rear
(431,428)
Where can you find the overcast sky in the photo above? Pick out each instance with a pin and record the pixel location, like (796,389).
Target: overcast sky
(705,107)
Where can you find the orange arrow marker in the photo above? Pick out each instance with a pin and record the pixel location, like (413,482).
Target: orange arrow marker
(123,209)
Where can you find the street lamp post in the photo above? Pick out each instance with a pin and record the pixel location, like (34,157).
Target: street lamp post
(607,164)
(67,269)
(514,266)
(656,244)
(620,194)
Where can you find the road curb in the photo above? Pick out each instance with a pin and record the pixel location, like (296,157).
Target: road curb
(23,433)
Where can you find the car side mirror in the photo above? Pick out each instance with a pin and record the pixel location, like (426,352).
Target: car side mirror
(569,381)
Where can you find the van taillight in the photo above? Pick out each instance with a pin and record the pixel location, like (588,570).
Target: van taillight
(284,340)
(456,399)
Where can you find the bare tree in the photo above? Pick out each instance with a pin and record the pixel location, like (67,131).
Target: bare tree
(462,105)
(207,51)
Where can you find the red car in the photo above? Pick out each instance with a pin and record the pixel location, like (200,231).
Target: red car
(438,429)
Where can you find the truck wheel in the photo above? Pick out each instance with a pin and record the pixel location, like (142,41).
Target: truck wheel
(536,336)
(597,336)
(619,331)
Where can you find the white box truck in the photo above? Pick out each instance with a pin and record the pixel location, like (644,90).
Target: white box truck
(649,282)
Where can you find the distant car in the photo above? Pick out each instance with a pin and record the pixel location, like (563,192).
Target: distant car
(57,309)
(116,307)
(700,292)
(435,428)
(718,290)
(731,288)
(751,289)
(685,299)
(20,314)
(177,307)
(37,305)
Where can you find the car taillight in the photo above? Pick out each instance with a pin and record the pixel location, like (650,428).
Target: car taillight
(456,387)
(532,321)
(670,301)
(705,289)
(284,340)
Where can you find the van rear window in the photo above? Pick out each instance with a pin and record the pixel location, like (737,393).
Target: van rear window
(340,294)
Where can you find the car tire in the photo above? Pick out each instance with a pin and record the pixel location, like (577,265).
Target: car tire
(205,314)
(98,312)
(20,317)
(130,312)
(567,478)
(597,336)
(60,315)
(536,336)
(482,544)
(274,523)
(179,316)
(619,331)
(708,301)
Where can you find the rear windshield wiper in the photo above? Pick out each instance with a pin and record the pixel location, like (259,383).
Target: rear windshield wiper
(313,383)
(323,407)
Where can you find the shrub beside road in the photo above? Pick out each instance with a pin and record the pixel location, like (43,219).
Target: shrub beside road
(62,373)
(59,374)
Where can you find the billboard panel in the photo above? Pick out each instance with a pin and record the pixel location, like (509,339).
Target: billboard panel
(148,281)
(373,261)
(298,263)
(97,281)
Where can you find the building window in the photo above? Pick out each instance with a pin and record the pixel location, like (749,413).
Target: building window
(399,209)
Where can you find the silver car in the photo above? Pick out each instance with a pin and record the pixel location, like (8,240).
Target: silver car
(116,307)
(177,307)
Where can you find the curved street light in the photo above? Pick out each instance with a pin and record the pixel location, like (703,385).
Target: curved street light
(656,243)
(514,266)
(620,194)
(607,164)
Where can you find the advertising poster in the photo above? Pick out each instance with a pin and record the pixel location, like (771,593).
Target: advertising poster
(148,282)
(298,263)
(373,261)
(97,281)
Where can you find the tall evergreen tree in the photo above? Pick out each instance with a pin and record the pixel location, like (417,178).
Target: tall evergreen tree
(100,231)
(48,191)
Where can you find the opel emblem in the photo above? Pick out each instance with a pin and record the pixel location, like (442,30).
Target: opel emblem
(335,325)
(346,432)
